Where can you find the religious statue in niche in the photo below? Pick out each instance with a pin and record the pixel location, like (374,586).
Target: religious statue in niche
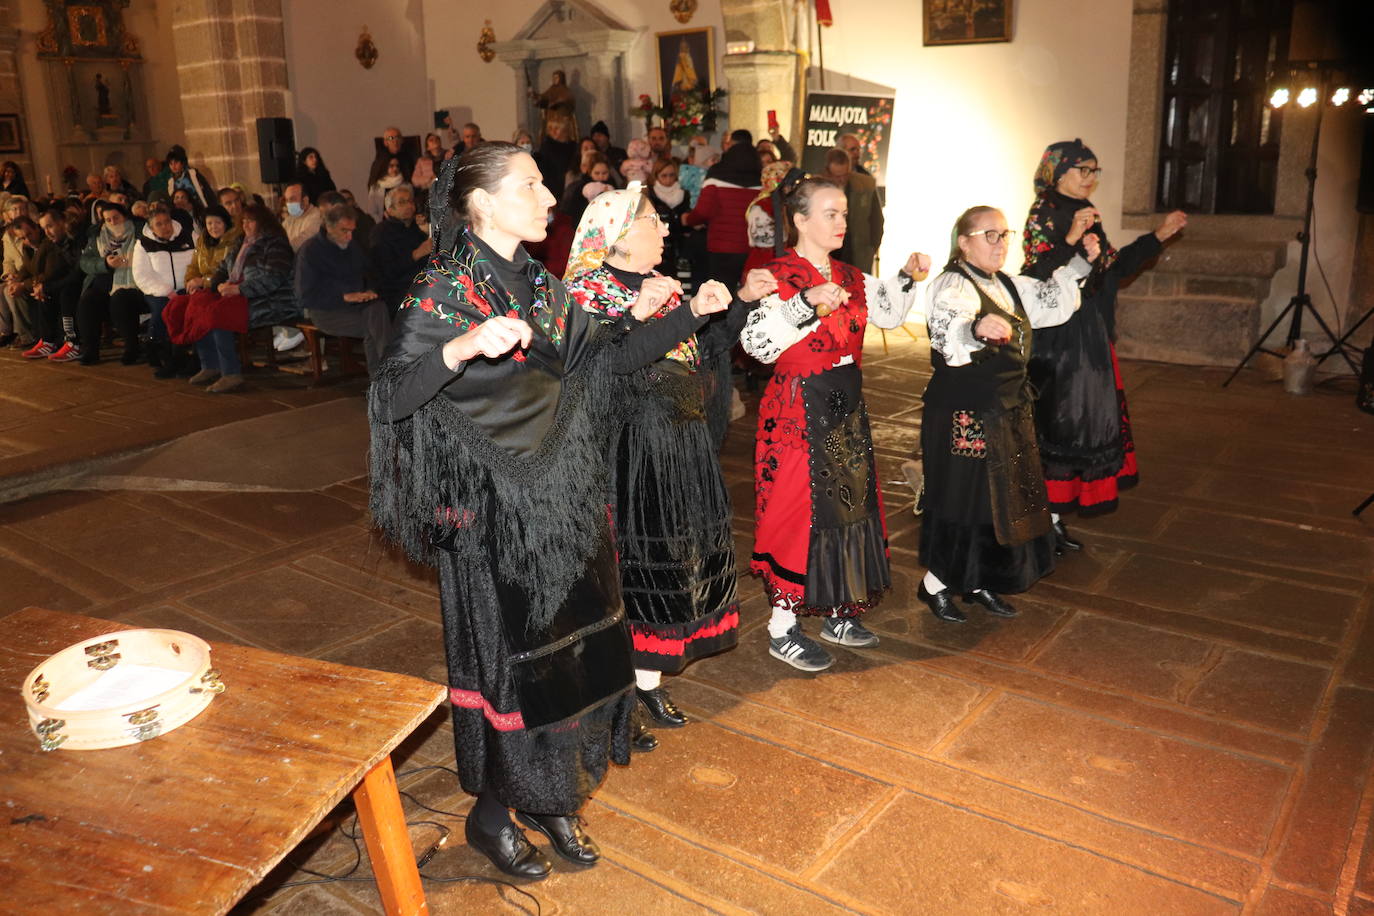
(104,111)
(557,104)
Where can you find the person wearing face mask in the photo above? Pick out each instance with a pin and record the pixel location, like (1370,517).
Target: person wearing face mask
(332,285)
(820,542)
(523,140)
(985,528)
(670,202)
(1081,420)
(302,219)
(672,512)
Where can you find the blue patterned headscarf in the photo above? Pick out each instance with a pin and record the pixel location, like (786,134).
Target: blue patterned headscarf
(1058,159)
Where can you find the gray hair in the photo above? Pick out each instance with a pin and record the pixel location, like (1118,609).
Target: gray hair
(390,196)
(334,213)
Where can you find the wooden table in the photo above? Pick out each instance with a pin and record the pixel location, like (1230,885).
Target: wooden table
(190,821)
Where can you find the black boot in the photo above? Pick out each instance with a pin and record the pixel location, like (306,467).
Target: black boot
(167,364)
(1062,541)
(132,351)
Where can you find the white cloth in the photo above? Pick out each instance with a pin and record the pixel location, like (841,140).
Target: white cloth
(781,621)
(647,680)
(672,194)
(159,273)
(954,304)
(776,325)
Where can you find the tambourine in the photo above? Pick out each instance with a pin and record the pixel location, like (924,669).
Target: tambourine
(119,689)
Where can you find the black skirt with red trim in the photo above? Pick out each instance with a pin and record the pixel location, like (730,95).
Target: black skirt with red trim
(672,520)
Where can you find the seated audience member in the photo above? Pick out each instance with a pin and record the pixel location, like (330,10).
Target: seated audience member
(181,175)
(219,237)
(164,251)
(231,199)
(22,325)
(523,139)
(186,210)
(110,291)
(399,247)
(393,147)
(595,180)
(252,288)
(312,175)
(386,174)
(428,165)
(302,219)
(157,173)
(472,136)
(331,286)
(60,288)
(366,224)
(114,180)
(24,236)
(12,179)
(95,187)
(601,136)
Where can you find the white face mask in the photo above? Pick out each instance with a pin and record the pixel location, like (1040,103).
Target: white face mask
(294,208)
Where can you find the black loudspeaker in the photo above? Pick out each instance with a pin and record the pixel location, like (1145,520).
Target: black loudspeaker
(276,150)
(1364,197)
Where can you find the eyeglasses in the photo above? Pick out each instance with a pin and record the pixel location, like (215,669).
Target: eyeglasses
(652,217)
(1088,171)
(993,236)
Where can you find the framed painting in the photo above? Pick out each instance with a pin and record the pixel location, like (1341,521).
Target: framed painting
(11,140)
(962,22)
(686,59)
(87,26)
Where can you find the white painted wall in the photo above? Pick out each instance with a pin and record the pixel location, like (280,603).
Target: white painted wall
(338,106)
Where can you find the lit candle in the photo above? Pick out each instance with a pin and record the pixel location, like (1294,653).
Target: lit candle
(48,179)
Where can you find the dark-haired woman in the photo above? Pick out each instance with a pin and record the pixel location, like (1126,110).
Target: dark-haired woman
(985,526)
(488,461)
(820,542)
(669,199)
(386,174)
(12,179)
(672,511)
(1081,420)
(312,174)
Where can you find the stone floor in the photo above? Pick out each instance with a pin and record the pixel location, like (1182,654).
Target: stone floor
(1180,722)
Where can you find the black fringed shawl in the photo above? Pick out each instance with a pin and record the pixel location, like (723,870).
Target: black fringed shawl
(439,480)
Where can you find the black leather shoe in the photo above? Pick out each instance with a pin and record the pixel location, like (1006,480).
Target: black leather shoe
(641,739)
(1062,541)
(992,603)
(510,851)
(566,834)
(660,707)
(941,604)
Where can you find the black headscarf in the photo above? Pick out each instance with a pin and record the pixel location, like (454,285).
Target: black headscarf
(1058,159)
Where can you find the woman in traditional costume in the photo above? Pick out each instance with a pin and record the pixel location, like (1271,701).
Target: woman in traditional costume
(1081,419)
(489,419)
(820,542)
(985,528)
(672,511)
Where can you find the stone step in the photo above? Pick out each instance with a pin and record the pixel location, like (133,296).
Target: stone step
(1193,330)
(1165,283)
(1223,258)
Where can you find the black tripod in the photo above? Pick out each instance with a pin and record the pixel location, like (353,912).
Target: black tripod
(1301,300)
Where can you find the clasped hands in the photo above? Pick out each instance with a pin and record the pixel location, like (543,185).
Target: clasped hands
(655,293)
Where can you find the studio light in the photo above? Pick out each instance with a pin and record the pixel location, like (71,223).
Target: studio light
(1307,97)
(1280,98)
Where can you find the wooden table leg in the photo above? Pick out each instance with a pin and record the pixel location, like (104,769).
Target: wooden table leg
(388,842)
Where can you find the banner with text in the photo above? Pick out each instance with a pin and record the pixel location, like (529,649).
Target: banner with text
(830,115)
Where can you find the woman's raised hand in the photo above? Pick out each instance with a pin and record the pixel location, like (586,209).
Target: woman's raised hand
(826,298)
(653,295)
(712,297)
(1083,220)
(1093,245)
(1172,223)
(757,284)
(917,266)
(493,338)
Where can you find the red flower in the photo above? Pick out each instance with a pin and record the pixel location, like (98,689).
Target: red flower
(427,304)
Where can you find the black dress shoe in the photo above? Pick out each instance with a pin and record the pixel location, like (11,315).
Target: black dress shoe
(660,707)
(1062,541)
(566,834)
(992,603)
(641,739)
(941,604)
(510,851)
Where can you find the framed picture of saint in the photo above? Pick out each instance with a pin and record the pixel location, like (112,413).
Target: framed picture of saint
(11,140)
(961,22)
(686,60)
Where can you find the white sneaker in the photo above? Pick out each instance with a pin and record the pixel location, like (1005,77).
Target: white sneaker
(287,339)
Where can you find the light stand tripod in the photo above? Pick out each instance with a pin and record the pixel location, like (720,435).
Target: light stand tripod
(1301,300)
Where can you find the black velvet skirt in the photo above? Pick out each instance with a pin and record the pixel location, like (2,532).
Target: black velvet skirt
(537,718)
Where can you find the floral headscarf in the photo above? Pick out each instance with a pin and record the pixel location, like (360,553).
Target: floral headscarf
(606,219)
(1058,159)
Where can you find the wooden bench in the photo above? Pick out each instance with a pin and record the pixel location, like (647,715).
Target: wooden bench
(315,340)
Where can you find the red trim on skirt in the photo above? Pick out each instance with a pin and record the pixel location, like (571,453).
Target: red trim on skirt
(501,721)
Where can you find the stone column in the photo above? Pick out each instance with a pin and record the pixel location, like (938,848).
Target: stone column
(231,62)
(12,94)
(766,78)
(1144,101)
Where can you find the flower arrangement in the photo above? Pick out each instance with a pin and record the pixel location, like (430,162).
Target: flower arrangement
(686,114)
